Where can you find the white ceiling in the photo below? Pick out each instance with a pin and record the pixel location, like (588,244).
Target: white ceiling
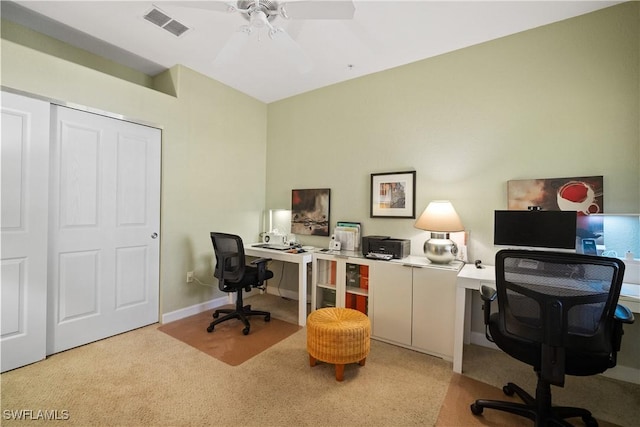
(381,35)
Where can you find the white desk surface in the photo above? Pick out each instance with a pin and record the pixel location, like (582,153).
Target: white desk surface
(485,274)
(422,261)
(278,255)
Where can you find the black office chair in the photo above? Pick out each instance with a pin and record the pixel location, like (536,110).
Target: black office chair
(234,276)
(559,313)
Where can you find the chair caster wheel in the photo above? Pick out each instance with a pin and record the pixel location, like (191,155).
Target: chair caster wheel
(245,331)
(475,409)
(508,390)
(210,329)
(215,314)
(267,318)
(590,421)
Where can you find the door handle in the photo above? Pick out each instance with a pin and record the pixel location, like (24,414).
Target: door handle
(154,235)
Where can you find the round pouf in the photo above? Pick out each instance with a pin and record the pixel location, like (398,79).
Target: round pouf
(338,336)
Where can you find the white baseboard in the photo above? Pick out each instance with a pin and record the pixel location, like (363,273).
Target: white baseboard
(622,373)
(194,309)
(223,300)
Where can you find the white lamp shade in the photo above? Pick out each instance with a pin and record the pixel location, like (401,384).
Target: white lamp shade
(439,216)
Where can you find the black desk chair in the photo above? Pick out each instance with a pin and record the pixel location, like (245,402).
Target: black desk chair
(234,276)
(559,313)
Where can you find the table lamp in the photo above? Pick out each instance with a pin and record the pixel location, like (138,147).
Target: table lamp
(440,218)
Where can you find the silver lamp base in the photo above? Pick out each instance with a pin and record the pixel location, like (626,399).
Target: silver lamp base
(439,249)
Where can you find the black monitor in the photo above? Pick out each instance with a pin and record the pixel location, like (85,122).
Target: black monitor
(538,229)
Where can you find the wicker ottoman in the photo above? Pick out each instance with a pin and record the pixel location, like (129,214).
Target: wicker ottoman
(338,336)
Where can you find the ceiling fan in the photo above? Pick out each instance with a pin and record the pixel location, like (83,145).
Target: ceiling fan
(261,13)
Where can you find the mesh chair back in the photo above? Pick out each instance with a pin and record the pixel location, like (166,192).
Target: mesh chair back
(230,247)
(559,299)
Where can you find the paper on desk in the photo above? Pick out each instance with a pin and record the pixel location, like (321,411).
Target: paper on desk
(348,237)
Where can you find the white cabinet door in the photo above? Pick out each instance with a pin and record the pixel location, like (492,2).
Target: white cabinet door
(434,293)
(392,302)
(25,173)
(104,227)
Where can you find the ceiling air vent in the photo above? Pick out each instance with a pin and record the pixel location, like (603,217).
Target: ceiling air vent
(164,21)
(176,28)
(155,16)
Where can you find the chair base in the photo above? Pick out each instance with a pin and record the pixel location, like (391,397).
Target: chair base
(241,312)
(538,409)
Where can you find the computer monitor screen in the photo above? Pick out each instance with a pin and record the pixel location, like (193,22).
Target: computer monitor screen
(539,229)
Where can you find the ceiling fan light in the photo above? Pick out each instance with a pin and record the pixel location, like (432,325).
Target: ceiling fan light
(259,19)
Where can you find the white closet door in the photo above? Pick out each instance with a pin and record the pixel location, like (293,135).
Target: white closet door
(104,227)
(25,167)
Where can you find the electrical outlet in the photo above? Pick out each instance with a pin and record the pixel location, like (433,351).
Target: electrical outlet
(189,276)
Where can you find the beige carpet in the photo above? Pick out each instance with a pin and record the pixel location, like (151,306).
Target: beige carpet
(227,342)
(148,378)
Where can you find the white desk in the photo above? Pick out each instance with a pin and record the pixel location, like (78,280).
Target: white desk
(471,278)
(302,259)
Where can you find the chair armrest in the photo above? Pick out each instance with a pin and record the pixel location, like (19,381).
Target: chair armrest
(261,264)
(225,257)
(620,316)
(623,314)
(488,295)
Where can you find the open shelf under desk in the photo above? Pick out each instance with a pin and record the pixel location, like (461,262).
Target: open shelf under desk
(357,291)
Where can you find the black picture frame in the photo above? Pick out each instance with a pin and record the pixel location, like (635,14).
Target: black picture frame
(310,211)
(393,195)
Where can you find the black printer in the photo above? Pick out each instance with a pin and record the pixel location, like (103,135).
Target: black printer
(399,248)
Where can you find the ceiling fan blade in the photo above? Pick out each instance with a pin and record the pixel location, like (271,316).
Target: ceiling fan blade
(233,46)
(319,9)
(293,50)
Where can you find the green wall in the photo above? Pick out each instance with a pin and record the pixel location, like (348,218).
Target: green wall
(557,101)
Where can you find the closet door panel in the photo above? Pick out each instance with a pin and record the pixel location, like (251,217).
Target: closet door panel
(79,285)
(104,274)
(79,176)
(24,192)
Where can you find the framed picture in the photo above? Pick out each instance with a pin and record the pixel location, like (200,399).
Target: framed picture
(584,194)
(393,195)
(310,211)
